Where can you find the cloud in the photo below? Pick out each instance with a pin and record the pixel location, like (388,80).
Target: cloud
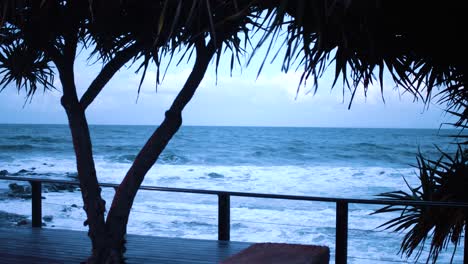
(243,99)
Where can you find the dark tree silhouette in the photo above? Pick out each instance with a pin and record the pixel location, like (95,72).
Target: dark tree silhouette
(37,35)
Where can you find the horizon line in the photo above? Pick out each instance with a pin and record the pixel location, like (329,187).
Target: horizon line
(259,126)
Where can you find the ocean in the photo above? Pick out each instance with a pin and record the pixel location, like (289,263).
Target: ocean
(327,162)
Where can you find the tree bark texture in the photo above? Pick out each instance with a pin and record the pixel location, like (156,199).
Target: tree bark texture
(120,210)
(94,205)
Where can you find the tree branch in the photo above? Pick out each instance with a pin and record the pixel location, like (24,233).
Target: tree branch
(106,74)
(187,92)
(148,155)
(93,204)
(55,56)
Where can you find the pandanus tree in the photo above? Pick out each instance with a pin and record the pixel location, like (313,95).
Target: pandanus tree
(40,39)
(421,45)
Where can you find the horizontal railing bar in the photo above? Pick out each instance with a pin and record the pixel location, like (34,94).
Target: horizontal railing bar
(258,195)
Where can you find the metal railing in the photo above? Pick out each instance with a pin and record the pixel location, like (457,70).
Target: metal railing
(224,208)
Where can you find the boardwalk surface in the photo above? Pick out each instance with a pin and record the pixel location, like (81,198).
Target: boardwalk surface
(34,245)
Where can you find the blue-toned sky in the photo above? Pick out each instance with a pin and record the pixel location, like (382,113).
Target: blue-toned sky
(240,100)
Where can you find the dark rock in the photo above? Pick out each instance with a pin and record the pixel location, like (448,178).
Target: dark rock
(22,222)
(44,224)
(57,187)
(72,175)
(19,189)
(74,206)
(22,171)
(3,172)
(215,175)
(24,196)
(10,219)
(33,168)
(48,218)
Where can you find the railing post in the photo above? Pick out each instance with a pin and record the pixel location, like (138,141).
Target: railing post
(36,203)
(224,217)
(341,250)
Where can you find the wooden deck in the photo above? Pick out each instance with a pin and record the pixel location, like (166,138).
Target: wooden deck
(51,246)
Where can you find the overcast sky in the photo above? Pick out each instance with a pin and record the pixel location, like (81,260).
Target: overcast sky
(240,100)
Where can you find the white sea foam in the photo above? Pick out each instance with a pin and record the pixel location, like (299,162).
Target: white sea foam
(255,220)
(309,180)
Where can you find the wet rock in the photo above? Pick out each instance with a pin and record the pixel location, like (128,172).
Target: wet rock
(23,196)
(23,222)
(10,219)
(57,187)
(3,172)
(215,175)
(48,218)
(72,175)
(19,191)
(16,188)
(74,206)
(20,172)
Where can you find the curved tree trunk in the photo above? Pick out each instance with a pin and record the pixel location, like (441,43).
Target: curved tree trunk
(94,205)
(120,210)
(108,237)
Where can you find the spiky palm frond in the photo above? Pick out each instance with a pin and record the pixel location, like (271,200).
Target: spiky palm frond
(25,68)
(109,28)
(364,39)
(442,180)
(180,24)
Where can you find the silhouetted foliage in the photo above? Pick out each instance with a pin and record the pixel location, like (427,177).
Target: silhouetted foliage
(443,180)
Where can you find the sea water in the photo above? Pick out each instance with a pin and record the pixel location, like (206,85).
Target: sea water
(326,162)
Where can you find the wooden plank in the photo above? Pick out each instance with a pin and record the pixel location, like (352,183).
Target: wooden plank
(35,245)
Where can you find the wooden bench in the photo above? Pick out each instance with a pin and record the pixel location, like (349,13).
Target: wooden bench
(281,253)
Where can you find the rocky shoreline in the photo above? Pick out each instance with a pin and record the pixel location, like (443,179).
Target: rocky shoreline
(22,190)
(13,220)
